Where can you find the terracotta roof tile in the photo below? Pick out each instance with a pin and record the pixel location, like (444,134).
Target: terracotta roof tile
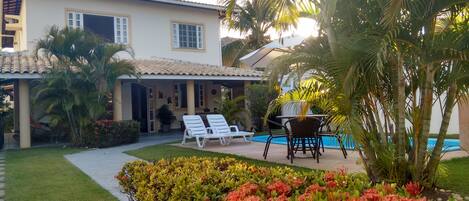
(20,63)
(160,66)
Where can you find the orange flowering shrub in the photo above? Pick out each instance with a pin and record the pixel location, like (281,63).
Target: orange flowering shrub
(227,179)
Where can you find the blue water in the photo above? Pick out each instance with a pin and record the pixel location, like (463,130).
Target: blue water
(331,142)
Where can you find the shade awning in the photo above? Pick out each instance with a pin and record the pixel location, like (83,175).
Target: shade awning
(263,56)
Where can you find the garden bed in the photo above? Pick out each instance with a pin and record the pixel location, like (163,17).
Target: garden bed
(203,178)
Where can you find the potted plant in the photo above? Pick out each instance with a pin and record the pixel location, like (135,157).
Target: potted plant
(166,117)
(5,112)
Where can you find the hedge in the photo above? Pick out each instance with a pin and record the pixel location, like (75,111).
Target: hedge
(108,133)
(199,178)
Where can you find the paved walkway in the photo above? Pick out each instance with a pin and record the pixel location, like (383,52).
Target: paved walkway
(103,164)
(331,159)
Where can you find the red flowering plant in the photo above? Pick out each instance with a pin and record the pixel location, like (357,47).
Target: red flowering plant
(278,188)
(228,179)
(413,189)
(246,192)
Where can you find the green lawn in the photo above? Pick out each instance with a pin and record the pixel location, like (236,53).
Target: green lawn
(458,175)
(44,174)
(157,152)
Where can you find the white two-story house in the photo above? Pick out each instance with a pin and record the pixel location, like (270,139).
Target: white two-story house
(176,45)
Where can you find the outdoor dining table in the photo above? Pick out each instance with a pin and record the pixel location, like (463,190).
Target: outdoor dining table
(303,141)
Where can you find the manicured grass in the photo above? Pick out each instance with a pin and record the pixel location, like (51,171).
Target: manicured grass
(44,174)
(167,151)
(458,175)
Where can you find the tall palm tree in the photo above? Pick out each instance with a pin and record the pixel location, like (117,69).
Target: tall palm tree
(255,18)
(383,63)
(76,90)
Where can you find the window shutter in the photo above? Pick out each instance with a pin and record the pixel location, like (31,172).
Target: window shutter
(175,35)
(117,30)
(200,37)
(79,20)
(75,20)
(125,30)
(121,30)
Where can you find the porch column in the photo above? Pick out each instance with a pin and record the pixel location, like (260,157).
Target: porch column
(24,110)
(117,101)
(246,105)
(16,106)
(464,124)
(190,97)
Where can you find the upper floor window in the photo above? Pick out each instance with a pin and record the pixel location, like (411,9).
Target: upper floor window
(188,36)
(111,28)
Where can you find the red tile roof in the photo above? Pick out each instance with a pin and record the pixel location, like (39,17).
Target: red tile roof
(21,64)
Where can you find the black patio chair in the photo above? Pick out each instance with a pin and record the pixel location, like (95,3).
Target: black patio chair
(326,131)
(304,132)
(276,130)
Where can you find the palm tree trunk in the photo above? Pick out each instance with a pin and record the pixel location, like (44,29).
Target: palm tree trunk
(436,154)
(400,111)
(328,9)
(425,119)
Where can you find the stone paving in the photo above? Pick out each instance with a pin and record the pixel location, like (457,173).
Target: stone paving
(103,164)
(331,159)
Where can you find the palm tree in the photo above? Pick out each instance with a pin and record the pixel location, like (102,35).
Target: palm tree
(231,109)
(255,18)
(382,64)
(76,90)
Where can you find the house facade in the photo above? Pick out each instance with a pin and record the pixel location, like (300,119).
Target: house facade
(176,45)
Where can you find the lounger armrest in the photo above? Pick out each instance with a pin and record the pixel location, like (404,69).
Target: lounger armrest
(235,128)
(188,132)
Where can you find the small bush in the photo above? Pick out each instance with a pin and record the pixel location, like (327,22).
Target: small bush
(108,133)
(196,178)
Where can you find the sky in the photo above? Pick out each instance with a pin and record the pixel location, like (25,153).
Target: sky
(306,27)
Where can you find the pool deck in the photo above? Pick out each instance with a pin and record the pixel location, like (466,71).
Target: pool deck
(331,159)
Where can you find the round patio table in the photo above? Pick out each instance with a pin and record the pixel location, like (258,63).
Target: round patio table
(303,141)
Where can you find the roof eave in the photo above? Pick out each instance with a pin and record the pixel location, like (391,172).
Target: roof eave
(192,77)
(24,76)
(189,4)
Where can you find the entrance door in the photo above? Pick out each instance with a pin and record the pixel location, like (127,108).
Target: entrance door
(140,106)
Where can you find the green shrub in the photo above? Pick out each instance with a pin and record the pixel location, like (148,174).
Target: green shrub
(259,96)
(199,178)
(108,133)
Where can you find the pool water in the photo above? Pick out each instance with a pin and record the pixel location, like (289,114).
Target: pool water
(331,142)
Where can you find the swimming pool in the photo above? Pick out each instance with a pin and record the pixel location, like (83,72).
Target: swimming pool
(331,142)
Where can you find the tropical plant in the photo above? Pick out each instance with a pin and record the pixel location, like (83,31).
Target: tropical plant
(258,97)
(232,109)
(166,117)
(5,113)
(377,65)
(75,91)
(256,18)
(233,180)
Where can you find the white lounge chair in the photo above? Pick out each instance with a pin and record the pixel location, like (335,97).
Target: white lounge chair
(219,126)
(195,128)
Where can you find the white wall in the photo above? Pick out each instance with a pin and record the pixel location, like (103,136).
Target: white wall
(437,116)
(149,27)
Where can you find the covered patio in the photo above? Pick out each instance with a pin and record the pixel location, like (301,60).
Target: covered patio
(186,88)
